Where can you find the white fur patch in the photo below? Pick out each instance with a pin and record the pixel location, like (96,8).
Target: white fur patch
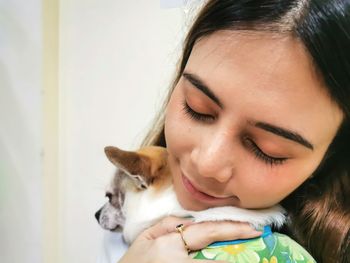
(144,208)
(257,217)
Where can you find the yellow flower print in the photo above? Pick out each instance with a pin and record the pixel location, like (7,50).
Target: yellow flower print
(273,259)
(243,252)
(234,249)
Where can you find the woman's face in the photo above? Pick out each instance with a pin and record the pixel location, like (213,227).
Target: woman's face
(248,122)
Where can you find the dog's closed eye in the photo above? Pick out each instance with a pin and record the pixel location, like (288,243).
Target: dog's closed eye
(109,196)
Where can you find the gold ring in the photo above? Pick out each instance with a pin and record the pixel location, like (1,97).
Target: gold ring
(180,229)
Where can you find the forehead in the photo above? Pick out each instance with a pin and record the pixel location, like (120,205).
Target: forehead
(266,57)
(273,77)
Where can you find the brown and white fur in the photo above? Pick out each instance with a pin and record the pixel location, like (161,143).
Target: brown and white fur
(142,193)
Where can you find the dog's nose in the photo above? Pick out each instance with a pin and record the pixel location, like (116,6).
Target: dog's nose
(97,215)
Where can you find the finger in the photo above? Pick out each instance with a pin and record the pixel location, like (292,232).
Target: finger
(165,226)
(200,235)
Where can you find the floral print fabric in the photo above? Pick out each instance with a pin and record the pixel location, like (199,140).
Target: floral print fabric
(269,248)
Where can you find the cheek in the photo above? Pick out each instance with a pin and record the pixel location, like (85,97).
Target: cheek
(178,131)
(268,186)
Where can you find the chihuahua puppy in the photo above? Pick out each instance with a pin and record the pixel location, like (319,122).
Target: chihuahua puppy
(141,193)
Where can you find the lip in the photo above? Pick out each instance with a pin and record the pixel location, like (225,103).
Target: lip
(199,195)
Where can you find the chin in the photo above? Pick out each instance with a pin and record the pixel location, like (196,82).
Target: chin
(193,206)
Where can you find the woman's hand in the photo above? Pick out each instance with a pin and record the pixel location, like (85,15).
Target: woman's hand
(161,243)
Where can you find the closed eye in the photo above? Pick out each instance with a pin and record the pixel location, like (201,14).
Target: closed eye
(109,196)
(263,156)
(196,115)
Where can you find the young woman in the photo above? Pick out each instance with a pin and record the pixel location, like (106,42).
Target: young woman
(259,114)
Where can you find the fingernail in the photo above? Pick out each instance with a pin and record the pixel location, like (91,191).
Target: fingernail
(258,233)
(258,228)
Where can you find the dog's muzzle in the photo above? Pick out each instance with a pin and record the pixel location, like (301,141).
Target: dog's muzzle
(110,218)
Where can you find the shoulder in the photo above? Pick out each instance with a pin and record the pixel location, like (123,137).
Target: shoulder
(287,249)
(271,248)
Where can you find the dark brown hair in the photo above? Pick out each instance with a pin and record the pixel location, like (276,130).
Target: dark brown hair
(320,208)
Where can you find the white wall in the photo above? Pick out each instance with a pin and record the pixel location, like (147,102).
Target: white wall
(20,131)
(116,61)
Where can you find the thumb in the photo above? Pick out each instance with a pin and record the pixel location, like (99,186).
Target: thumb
(165,226)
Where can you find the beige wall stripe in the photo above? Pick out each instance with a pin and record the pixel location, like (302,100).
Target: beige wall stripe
(51,222)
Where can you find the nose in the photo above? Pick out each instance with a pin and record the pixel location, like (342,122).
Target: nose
(97,215)
(214,158)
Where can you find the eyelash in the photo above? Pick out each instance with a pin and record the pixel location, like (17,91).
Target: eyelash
(195,115)
(263,156)
(253,147)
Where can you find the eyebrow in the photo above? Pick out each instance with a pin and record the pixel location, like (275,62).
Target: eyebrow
(282,132)
(290,135)
(199,84)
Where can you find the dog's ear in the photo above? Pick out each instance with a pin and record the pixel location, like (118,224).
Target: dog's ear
(137,166)
(132,163)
